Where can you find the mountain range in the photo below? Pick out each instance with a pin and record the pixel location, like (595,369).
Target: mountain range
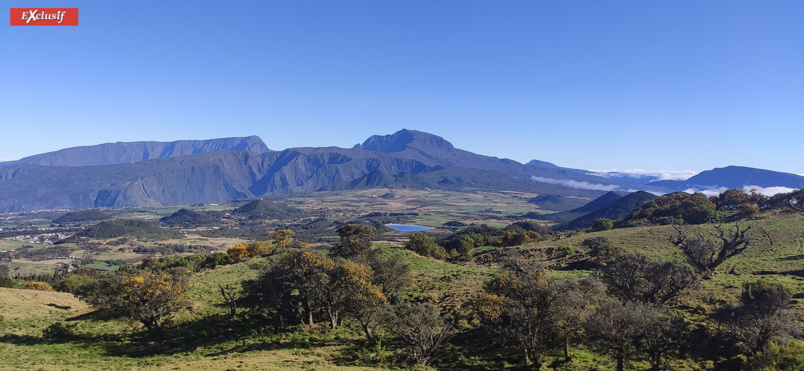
(227,169)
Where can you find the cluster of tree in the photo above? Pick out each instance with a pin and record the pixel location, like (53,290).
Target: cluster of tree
(302,286)
(732,204)
(193,263)
(625,311)
(679,208)
(168,249)
(149,297)
(461,245)
(748,204)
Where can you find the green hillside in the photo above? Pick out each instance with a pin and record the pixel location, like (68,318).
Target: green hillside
(45,330)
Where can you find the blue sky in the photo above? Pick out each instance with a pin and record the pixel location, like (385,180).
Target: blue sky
(585,84)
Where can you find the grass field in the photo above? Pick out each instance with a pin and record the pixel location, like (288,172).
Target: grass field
(6,245)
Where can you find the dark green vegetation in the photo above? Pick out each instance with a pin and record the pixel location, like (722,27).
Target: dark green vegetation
(124,227)
(188,218)
(263,209)
(82,216)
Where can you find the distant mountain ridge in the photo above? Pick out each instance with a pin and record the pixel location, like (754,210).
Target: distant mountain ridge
(224,170)
(735,177)
(131,152)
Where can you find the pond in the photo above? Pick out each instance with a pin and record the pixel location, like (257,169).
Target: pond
(407,227)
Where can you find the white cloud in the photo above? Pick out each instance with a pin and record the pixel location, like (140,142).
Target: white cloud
(708,191)
(768,191)
(639,173)
(576,184)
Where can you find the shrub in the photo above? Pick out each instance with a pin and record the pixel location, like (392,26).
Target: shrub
(39,286)
(602,224)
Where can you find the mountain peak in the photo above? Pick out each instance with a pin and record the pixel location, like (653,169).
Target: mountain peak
(404,139)
(542,164)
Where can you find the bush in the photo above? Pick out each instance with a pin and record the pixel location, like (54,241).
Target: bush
(425,245)
(602,224)
(39,286)
(7,282)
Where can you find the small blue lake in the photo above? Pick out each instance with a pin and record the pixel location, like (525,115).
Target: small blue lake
(407,227)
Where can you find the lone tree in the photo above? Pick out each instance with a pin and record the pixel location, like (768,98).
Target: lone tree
(706,255)
(145,296)
(576,299)
(230,297)
(633,276)
(516,305)
(619,327)
(421,327)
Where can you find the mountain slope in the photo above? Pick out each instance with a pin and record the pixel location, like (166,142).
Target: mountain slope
(598,203)
(131,152)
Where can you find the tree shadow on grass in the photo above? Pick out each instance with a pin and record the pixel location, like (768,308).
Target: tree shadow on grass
(220,335)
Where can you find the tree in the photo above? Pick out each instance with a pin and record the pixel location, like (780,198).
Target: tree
(677,207)
(575,300)
(748,211)
(761,317)
(730,199)
(425,245)
(600,249)
(620,326)
(602,224)
(355,241)
(7,282)
(292,284)
(145,296)
(516,305)
(633,276)
(391,275)
(73,283)
(706,255)
(421,327)
(282,238)
(366,300)
(230,297)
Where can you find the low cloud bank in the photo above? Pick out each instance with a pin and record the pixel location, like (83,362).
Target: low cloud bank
(576,184)
(639,173)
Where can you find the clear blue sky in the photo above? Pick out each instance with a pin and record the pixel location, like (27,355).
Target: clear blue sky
(586,84)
